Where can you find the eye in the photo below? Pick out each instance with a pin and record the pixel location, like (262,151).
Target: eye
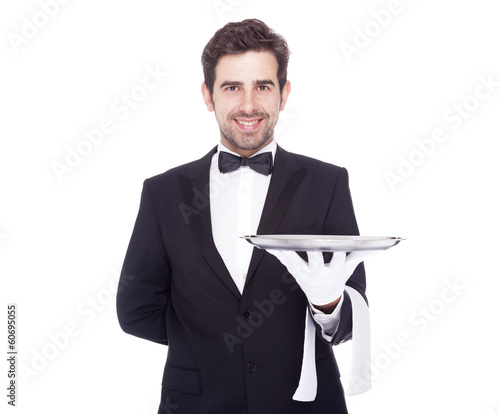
(263,88)
(232,88)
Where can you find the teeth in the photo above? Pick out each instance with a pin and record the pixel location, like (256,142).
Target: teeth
(248,123)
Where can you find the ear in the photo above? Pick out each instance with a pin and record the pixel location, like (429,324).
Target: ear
(284,95)
(206,97)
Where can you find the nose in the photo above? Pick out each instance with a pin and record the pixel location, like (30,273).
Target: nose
(248,102)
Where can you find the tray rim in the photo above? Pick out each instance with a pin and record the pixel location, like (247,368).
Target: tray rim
(343,242)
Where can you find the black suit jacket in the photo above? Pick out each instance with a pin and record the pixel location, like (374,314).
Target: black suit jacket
(232,353)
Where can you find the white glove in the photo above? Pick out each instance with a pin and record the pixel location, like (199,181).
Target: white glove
(322,283)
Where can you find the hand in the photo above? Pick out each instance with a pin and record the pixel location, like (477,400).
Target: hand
(322,283)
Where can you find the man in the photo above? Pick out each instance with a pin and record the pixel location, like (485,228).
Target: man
(231,315)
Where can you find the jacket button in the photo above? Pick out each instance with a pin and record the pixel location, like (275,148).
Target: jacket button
(246,314)
(251,367)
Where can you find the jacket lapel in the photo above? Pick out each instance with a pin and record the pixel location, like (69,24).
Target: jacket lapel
(195,193)
(284,183)
(285,180)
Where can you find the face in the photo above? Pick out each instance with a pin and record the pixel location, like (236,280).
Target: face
(246,100)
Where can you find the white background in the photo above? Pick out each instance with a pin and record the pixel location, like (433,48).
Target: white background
(62,241)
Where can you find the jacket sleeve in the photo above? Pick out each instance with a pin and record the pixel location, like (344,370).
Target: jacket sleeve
(144,287)
(341,220)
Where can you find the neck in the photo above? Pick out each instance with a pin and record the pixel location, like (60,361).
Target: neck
(247,153)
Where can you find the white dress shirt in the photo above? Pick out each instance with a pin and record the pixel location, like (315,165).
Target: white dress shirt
(236,203)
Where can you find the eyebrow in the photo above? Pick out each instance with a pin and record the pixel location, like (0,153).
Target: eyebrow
(230,83)
(255,83)
(264,82)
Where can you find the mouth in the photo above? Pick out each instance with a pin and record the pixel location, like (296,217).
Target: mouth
(248,125)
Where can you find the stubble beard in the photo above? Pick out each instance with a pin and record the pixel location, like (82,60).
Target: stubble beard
(247,141)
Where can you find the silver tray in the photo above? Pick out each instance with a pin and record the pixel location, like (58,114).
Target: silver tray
(319,242)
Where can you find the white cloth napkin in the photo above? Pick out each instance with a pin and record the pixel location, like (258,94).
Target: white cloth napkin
(360,380)
(308,383)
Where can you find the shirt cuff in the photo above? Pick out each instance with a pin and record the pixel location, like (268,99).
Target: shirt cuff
(329,322)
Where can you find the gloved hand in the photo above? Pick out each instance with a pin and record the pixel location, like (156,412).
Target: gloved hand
(322,283)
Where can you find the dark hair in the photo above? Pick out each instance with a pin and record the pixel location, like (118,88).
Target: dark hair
(239,37)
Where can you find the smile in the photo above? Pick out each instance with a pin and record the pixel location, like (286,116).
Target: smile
(248,123)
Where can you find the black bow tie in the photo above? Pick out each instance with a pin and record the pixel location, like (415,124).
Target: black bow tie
(262,163)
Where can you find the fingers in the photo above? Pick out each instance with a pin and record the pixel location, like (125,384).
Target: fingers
(289,259)
(355,258)
(340,263)
(315,259)
(338,260)
(361,255)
